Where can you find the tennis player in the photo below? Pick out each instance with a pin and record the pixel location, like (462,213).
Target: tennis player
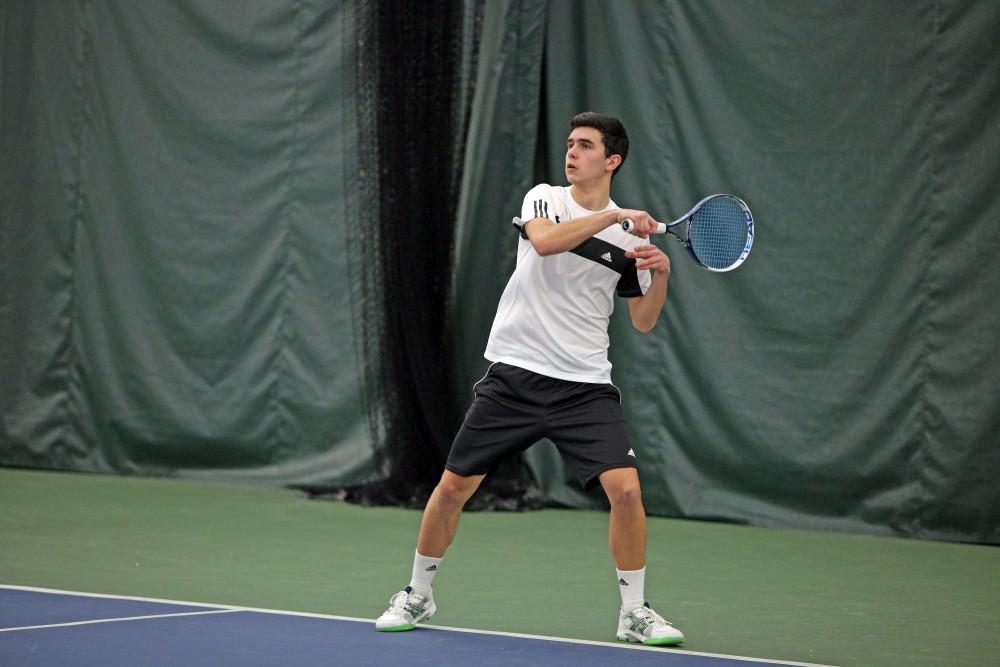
(550,375)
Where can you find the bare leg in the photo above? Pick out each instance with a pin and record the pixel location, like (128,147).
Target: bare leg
(440,521)
(627,529)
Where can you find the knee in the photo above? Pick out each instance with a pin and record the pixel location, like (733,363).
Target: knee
(626,495)
(455,490)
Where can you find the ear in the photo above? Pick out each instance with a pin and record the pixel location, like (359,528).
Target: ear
(613,162)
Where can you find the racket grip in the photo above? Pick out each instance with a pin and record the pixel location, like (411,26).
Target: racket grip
(627,225)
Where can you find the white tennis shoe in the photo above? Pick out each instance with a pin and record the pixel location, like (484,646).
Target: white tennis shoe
(645,626)
(406,609)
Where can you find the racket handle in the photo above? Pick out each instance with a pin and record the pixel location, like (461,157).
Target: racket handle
(627,225)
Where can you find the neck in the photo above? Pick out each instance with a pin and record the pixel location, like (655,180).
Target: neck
(593,197)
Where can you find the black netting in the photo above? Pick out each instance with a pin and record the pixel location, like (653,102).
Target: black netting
(415,67)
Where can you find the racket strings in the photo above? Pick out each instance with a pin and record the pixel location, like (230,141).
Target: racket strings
(717,233)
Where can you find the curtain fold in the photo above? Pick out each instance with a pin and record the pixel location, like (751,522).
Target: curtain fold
(179,298)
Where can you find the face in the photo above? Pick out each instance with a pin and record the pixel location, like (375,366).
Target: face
(585,159)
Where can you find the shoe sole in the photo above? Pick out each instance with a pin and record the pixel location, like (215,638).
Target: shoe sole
(397,628)
(652,641)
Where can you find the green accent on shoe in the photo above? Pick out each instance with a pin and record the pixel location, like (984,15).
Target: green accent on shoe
(653,641)
(397,628)
(663,641)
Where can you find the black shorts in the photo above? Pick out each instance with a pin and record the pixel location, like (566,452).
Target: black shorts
(514,408)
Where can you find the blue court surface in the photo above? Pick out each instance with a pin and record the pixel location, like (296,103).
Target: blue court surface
(45,627)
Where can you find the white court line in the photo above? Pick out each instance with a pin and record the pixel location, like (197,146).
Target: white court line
(634,647)
(283,612)
(117,620)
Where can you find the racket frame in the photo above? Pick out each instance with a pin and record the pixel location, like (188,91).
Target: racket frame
(665,228)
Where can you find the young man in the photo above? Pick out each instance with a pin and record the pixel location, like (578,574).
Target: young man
(550,375)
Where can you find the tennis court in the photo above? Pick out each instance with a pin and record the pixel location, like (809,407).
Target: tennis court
(84,629)
(169,547)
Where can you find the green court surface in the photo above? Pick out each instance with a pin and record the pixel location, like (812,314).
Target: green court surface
(785,595)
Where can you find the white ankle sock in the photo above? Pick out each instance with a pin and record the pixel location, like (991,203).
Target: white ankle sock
(424,569)
(632,585)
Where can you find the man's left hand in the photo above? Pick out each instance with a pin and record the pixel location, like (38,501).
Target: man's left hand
(650,257)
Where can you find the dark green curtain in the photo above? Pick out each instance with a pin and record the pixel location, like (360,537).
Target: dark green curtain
(175,288)
(184,282)
(847,376)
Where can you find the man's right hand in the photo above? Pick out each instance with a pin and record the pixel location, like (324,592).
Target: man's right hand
(645,224)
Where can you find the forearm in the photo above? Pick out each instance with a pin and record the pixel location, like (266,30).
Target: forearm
(645,310)
(549,238)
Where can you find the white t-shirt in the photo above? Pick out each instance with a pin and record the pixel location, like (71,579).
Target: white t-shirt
(553,316)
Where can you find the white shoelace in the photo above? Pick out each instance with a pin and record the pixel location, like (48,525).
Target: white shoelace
(651,617)
(398,604)
(398,601)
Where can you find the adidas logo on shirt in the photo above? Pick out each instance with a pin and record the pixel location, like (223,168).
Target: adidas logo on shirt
(631,453)
(606,257)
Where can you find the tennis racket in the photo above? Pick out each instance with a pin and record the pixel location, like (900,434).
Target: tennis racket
(718,233)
